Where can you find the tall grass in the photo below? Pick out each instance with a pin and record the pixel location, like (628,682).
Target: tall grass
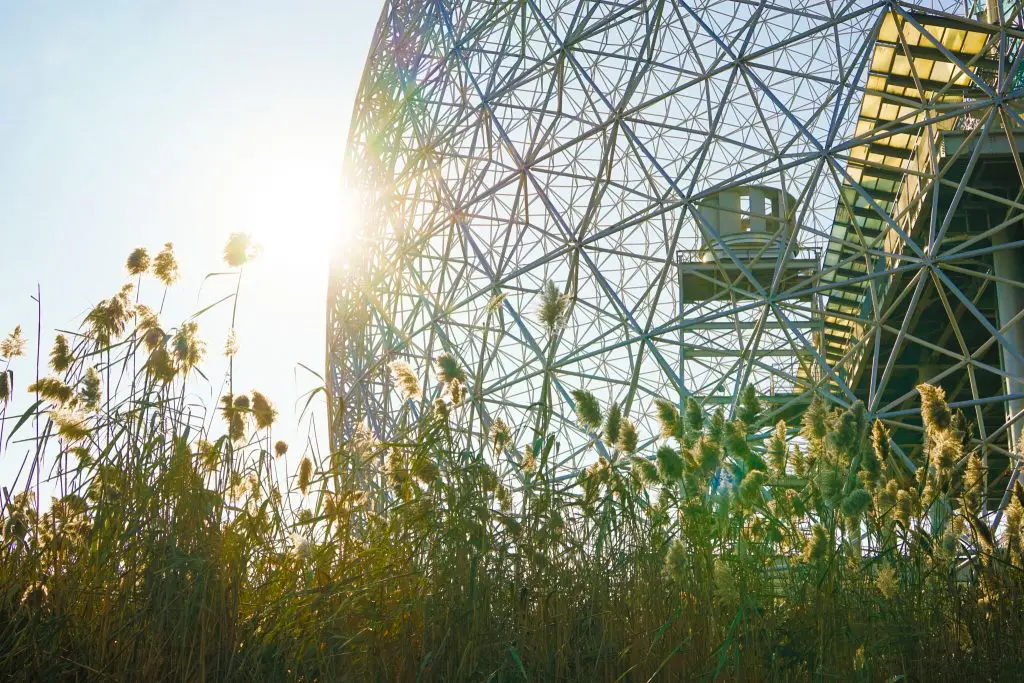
(173,551)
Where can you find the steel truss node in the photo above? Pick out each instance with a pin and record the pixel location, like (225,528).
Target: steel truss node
(815,198)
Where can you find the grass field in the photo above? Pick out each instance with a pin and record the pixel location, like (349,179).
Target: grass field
(179,541)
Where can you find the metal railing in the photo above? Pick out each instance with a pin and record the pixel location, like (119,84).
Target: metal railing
(765,256)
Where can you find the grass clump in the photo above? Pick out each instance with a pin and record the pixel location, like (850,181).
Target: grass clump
(173,549)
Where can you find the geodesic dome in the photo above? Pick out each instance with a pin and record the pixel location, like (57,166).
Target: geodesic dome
(812,198)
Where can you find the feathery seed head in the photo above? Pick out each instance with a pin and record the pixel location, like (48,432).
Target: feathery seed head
(501,436)
(668,418)
(716,427)
(71,425)
(856,503)
(588,410)
(904,507)
(457,391)
(529,463)
(165,265)
(154,338)
(886,581)
(778,450)
(60,354)
(91,392)
(52,389)
(239,249)
(35,595)
(612,423)
(108,318)
(817,545)
(749,490)
(646,471)
(231,344)
(448,368)
(138,261)
(302,547)
(425,470)
(677,562)
(280,448)
(694,416)
(405,379)
(670,464)
(815,420)
(305,476)
(934,409)
(554,307)
(749,408)
(160,366)
(627,437)
(263,411)
(188,348)
(13,345)
(707,454)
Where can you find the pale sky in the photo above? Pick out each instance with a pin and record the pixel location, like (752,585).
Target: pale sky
(128,123)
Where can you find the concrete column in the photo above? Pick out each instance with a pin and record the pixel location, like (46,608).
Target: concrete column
(729,214)
(757,223)
(1009,264)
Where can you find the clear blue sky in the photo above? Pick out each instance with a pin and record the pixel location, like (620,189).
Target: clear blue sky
(132,123)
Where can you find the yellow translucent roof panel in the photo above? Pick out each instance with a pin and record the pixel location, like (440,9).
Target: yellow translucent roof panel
(954,39)
(943,71)
(872,103)
(903,141)
(882,59)
(888,31)
(974,43)
(911,34)
(900,66)
(924,67)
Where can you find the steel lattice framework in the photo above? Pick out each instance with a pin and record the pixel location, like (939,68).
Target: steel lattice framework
(812,197)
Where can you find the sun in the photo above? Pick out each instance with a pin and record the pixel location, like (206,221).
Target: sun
(299,216)
(286,189)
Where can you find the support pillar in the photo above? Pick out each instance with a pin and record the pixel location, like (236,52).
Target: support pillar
(1009,265)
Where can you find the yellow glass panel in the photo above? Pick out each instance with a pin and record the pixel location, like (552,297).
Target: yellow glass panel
(864,127)
(911,34)
(954,39)
(901,66)
(924,67)
(960,77)
(937,32)
(875,82)
(888,112)
(974,43)
(903,140)
(943,71)
(872,103)
(882,59)
(906,112)
(888,32)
